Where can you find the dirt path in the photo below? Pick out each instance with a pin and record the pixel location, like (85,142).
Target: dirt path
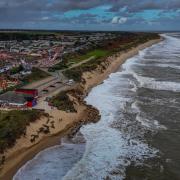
(80,63)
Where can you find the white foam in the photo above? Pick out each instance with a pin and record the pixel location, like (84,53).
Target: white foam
(107,147)
(52,163)
(150,124)
(167,65)
(155,64)
(152,83)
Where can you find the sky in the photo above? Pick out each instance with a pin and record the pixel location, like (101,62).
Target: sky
(116,15)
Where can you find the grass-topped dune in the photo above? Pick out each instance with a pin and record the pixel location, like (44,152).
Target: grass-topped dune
(121,44)
(13,125)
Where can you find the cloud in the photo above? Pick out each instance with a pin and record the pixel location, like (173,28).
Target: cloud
(141,5)
(115,20)
(122,20)
(18,13)
(45,18)
(68,5)
(119,20)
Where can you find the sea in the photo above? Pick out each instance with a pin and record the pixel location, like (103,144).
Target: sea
(138,135)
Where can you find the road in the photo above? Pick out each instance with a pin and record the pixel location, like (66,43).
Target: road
(43,104)
(80,63)
(57,77)
(53,85)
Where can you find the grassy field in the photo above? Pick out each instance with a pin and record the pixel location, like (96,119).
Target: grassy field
(13,125)
(98,53)
(36,75)
(76,73)
(95,53)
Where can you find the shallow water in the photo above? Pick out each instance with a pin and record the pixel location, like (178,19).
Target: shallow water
(139,132)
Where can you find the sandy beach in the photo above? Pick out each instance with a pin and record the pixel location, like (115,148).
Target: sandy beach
(64,122)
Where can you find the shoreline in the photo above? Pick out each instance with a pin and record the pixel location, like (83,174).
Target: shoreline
(22,155)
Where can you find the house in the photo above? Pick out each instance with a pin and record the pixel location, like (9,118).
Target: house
(16,99)
(33,92)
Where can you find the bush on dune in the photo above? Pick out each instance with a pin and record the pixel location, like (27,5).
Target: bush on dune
(13,124)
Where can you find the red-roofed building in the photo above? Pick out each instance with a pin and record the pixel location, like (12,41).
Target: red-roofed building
(33,92)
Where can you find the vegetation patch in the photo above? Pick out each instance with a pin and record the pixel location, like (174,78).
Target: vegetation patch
(123,43)
(36,75)
(76,73)
(74,59)
(16,70)
(62,102)
(95,53)
(28,35)
(13,125)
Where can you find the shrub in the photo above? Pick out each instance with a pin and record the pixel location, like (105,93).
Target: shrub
(13,124)
(62,102)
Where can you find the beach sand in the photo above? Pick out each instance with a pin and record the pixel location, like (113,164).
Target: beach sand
(64,122)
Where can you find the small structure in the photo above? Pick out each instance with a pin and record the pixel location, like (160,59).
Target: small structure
(15,99)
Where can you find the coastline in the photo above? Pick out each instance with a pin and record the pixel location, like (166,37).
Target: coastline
(70,120)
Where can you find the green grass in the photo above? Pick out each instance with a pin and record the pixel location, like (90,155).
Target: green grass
(95,53)
(13,125)
(36,75)
(99,53)
(76,73)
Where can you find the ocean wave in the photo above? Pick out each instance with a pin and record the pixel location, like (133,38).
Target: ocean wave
(152,83)
(107,146)
(52,163)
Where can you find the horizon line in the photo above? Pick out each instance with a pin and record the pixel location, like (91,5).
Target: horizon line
(76,30)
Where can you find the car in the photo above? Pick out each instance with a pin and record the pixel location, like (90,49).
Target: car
(52,86)
(70,82)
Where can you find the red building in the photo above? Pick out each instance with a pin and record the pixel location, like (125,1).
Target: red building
(17,99)
(31,101)
(33,92)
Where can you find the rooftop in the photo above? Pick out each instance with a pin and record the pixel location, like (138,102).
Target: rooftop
(12,97)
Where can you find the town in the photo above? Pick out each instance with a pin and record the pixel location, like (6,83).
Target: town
(31,65)
(44,79)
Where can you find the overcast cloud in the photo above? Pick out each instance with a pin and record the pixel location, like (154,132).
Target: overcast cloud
(91,14)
